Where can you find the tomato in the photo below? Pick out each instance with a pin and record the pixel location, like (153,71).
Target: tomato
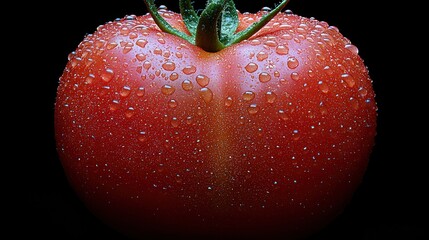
(162,133)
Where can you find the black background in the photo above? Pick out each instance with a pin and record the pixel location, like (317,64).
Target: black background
(390,204)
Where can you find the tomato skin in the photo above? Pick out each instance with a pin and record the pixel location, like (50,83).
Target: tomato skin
(268,136)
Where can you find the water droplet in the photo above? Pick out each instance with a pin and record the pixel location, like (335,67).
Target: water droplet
(89,62)
(248,96)
(363,92)
(125,64)
(270,43)
(352,48)
(328,70)
(294,76)
(264,77)
(310,39)
(255,42)
(251,67)
(169,66)
(139,69)
(142,137)
(141,91)
(157,51)
(203,80)
(262,56)
(354,103)
(189,69)
(303,25)
(141,43)
(130,112)
(141,57)
(107,75)
(348,79)
(270,97)
(187,85)
(147,65)
(283,81)
(114,105)
(265,9)
(260,132)
(71,55)
(133,35)
(99,43)
(323,108)
(167,54)
(320,57)
(241,120)
(283,115)
(161,40)
(292,63)
(341,67)
(189,120)
(179,55)
(323,87)
(162,8)
(206,94)
(287,36)
(311,73)
(90,78)
(327,38)
(253,109)
(125,91)
(111,45)
(124,31)
(282,50)
(172,103)
(167,89)
(104,90)
(295,135)
(174,122)
(127,49)
(130,17)
(228,101)
(285,26)
(174,76)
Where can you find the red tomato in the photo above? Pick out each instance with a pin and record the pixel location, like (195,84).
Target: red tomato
(268,136)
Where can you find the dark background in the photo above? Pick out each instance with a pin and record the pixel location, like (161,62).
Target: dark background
(390,204)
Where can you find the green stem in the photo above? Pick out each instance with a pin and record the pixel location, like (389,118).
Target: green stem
(207,35)
(190,17)
(215,29)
